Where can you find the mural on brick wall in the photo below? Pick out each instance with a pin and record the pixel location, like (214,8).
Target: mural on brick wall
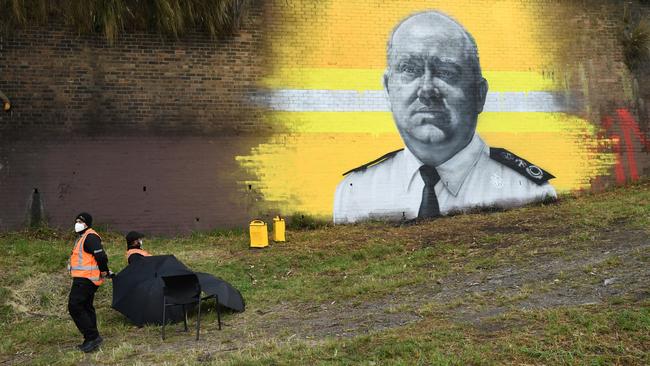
(436,92)
(196,133)
(341,103)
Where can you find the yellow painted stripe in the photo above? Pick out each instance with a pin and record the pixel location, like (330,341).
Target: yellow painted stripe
(518,81)
(532,122)
(324,78)
(382,122)
(510,34)
(371,79)
(299,172)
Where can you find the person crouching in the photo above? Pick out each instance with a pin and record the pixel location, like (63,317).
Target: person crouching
(134,251)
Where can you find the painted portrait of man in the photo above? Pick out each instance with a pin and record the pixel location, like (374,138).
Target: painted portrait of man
(436,91)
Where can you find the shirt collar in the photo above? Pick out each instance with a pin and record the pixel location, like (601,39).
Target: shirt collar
(412,168)
(454,171)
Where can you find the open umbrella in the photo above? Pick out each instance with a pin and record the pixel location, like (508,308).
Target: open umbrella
(227,295)
(137,289)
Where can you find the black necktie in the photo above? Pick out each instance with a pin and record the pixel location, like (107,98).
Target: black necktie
(429,205)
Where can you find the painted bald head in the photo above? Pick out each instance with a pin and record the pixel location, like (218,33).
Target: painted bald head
(434,85)
(446,24)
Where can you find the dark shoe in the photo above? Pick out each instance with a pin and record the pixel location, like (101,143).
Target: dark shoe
(91,345)
(82,346)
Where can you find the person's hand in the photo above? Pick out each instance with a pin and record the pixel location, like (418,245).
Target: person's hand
(108,274)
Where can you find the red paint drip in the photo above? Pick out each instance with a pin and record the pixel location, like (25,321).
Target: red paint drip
(630,123)
(618,168)
(628,128)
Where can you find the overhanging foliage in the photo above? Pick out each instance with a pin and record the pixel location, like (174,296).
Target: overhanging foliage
(635,39)
(112,17)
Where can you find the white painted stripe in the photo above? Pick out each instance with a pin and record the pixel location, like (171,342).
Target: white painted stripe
(310,100)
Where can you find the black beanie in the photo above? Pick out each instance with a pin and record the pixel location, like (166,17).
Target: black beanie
(133,236)
(85,217)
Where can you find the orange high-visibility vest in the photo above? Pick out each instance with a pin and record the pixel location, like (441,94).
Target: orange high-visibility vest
(82,264)
(136,251)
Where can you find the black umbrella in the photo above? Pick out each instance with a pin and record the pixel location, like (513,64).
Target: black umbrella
(227,295)
(137,289)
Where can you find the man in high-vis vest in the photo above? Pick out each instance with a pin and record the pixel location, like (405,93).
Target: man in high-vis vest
(88,266)
(134,250)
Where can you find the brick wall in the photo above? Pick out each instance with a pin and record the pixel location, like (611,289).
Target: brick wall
(62,83)
(93,124)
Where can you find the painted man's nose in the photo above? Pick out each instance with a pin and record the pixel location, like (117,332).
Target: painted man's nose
(428,94)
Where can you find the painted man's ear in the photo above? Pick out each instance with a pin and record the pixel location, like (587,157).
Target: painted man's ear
(481,94)
(385,80)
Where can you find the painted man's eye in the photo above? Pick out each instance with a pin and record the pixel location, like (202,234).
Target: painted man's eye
(409,68)
(447,74)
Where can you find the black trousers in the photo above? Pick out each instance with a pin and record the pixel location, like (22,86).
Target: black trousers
(81,309)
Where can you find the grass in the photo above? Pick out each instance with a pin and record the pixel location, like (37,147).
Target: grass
(439,292)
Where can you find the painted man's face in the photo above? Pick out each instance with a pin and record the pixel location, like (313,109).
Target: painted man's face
(433,90)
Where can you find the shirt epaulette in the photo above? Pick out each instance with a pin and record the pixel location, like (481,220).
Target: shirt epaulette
(374,162)
(521,166)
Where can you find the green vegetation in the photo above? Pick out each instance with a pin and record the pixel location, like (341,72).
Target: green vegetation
(635,39)
(113,17)
(525,286)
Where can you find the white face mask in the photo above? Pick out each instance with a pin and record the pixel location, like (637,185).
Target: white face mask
(79,226)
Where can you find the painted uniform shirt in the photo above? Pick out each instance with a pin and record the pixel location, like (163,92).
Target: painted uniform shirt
(392,189)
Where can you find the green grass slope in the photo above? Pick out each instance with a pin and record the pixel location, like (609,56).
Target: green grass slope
(563,284)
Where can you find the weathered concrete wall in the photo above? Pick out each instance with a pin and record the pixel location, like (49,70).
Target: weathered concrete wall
(267,121)
(163,185)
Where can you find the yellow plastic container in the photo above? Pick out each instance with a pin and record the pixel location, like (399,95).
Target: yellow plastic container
(259,234)
(278,229)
